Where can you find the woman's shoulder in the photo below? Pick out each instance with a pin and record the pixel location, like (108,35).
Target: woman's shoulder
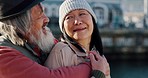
(60,46)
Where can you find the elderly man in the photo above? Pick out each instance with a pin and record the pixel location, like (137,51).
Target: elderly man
(25,42)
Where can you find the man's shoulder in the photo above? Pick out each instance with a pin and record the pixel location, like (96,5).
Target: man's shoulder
(7,46)
(6,43)
(7,49)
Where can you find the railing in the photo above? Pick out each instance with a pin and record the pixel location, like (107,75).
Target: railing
(125,43)
(122,43)
(125,40)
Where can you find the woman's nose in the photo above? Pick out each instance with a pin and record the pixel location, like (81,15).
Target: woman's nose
(77,21)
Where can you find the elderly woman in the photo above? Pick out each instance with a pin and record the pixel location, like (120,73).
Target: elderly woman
(78,24)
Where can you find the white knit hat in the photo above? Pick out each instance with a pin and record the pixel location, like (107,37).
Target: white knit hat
(69,5)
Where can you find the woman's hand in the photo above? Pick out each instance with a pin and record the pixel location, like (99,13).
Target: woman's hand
(99,63)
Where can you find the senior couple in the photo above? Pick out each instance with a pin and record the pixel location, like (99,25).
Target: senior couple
(29,50)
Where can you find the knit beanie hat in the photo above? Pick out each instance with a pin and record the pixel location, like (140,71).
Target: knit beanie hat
(70,5)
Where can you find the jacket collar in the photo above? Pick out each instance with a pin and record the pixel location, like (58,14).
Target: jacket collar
(77,51)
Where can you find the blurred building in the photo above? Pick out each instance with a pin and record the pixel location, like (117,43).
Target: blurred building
(135,11)
(119,20)
(145,21)
(111,13)
(108,12)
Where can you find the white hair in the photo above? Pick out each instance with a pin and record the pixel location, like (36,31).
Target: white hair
(14,28)
(45,41)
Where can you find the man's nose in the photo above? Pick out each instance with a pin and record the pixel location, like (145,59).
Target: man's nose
(46,19)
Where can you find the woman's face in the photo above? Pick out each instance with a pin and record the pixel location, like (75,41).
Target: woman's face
(78,24)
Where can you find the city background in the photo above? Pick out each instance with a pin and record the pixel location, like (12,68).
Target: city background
(123,26)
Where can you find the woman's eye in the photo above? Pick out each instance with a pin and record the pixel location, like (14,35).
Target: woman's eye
(69,17)
(82,14)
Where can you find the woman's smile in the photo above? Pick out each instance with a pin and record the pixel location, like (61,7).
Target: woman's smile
(79,29)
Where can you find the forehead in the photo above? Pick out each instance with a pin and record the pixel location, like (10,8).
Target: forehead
(78,10)
(36,11)
(37,7)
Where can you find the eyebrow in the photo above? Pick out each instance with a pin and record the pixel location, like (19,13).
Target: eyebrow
(82,10)
(41,7)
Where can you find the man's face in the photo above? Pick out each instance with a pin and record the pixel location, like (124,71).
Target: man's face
(39,34)
(39,19)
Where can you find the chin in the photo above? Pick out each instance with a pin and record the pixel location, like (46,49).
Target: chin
(80,37)
(45,41)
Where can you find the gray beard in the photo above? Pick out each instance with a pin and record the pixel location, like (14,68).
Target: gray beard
(45,41)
